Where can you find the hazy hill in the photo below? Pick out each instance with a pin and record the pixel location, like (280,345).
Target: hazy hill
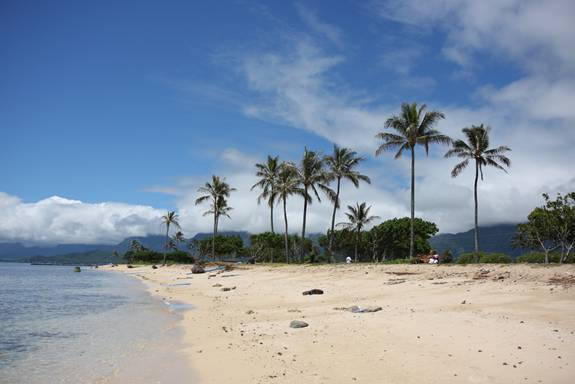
(496,238)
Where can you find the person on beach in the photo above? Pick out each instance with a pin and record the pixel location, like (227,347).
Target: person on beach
(348,260)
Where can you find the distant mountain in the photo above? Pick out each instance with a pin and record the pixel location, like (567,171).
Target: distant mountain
(92,253)
(496,238)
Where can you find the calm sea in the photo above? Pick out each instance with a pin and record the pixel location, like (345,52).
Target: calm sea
(58,326)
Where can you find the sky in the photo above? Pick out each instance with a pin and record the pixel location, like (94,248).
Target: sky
(112,113)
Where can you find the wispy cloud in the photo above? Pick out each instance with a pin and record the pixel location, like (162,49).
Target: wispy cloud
(323,29)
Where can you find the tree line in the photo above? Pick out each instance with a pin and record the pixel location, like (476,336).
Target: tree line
(317,176)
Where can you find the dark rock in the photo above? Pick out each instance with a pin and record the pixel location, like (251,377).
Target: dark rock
(77,269)
(313,292)
(298,324)
(129,266)
(154,266)
(197,268)
(225,289)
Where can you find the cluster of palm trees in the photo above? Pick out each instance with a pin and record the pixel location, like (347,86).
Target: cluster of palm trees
(314,175)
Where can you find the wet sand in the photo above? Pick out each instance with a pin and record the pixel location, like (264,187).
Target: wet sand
(438,324)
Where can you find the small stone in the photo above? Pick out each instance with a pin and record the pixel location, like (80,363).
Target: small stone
(197,268)
(249,312)
(463,302)
(226,289)
(298,324)
(216,285)
(313,292)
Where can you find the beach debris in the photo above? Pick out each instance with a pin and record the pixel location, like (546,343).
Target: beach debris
(358,309)
(294,310)
(216,285)
(298,324)
(249,312)
(129,266)
(154,266)
(395,281)
(77,269)
(226,289)
(464,302)
(313,292)
(197,268)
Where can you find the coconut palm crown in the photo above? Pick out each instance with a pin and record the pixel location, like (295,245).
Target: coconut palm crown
(358,217)
(312,177)
(342,164)
(217,192)
(477,148)
(413,126)
(268,173)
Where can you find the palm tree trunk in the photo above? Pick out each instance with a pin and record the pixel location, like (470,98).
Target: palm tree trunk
(331,234)
(214,236)
(412,235)
(357,242)
(475,198)
(272,217)
(166,245)
(286,232)
(302,254)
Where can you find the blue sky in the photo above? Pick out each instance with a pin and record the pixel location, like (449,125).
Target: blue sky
(122,109)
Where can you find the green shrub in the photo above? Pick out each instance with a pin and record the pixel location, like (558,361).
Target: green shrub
(484,258)
(446,258)
(538,258)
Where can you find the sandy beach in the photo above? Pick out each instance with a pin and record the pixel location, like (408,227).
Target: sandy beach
(437,324)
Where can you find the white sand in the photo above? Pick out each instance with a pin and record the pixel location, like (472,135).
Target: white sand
(515,326)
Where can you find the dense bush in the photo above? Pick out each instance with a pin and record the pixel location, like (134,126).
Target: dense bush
(539,258)
(484,258)
(147,256)
(446,258)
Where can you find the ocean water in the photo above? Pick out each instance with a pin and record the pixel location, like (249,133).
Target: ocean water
(58,326)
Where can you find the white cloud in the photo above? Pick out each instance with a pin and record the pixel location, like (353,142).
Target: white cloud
(331,32)
(59,220)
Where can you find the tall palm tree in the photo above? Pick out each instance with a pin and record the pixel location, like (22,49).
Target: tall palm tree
(218,191)
(178,238)
(414,126)
(169,219)
(477,148)
(312,176)
(268,174)
(358,217)
(287,185)
(341,165)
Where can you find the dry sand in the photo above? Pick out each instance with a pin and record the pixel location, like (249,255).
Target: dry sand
(438,324)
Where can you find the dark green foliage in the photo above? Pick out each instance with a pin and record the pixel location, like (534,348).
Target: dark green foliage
(392,237)
(484,258)
(447,257)
(267,247)
(537,258)
(229,246)
(147,256)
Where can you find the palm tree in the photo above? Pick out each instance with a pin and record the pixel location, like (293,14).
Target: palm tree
(341,164)
(312,176)
(170,218)
(177,239)
(218,191)
(268,174)
(358,217)
(286,186)
(413,126)
(477,148)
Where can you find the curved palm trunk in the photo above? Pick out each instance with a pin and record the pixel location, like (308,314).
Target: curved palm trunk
(331,235)
(286,242)
(412,236)
(166,245)
(475,197)
(302,254)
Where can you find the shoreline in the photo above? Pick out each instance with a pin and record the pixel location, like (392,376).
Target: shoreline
(445,324)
